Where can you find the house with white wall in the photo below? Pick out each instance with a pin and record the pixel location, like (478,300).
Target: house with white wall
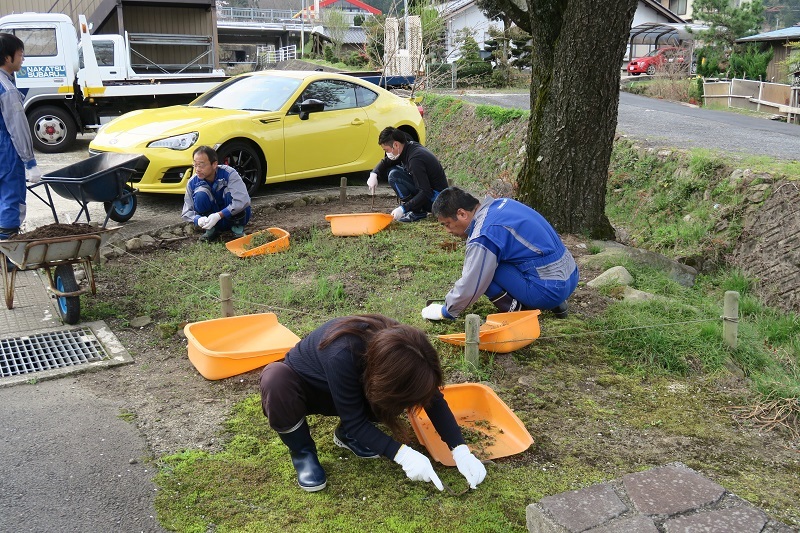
(464,14)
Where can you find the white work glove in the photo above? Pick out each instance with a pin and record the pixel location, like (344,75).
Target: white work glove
(201,221)
(372,182)
(469,465)
(398,212)
(211,221)
(433,312)
(33,175)
(416,466)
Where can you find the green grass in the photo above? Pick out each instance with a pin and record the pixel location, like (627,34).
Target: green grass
(604,396)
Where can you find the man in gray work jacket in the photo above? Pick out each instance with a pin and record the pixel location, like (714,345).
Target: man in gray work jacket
(513,255)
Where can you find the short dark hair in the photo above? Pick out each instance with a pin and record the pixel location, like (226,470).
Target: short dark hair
(451,200)
(210,152)
(390,134)
(9,44)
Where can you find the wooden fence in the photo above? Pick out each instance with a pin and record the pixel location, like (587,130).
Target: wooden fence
(776,98)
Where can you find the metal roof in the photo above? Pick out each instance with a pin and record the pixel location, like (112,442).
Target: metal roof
(784,34)
(665,33)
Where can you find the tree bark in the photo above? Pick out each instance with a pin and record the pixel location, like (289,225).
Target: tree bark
(578,47)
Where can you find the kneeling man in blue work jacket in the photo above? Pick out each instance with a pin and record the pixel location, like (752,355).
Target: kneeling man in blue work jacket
(216,198)
(513,256)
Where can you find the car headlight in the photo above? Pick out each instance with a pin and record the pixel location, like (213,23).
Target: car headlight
(176,142)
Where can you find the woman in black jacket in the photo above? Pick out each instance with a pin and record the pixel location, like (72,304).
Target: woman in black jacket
(362,369)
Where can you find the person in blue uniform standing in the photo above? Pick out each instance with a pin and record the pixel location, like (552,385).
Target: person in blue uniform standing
(216,198)
(362,369)
(513,256)
(16,147)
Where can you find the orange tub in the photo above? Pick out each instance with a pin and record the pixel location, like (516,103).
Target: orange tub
(358,223)
(225,347)
(503,332)
(477,409)
(240,248)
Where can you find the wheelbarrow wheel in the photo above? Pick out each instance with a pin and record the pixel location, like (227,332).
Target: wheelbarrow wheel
(122,210)
(69,307)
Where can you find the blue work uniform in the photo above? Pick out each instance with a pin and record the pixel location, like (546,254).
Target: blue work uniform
(227,195)
(512,248)
(16,153)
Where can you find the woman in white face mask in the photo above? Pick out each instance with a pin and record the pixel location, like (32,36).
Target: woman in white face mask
(413,172)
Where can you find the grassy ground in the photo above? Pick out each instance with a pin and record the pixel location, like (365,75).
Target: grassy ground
(609,391)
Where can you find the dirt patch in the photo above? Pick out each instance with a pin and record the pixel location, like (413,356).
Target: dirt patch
(52,231)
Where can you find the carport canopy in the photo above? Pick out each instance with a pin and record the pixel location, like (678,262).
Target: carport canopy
(665,34)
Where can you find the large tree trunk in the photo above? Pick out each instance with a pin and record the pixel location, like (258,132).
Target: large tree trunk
(578,47)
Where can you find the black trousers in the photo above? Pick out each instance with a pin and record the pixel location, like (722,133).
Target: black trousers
(286,397)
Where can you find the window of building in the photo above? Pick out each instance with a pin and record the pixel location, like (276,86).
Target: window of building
(677,6)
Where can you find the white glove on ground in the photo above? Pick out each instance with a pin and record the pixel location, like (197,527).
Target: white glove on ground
(398,212)
(33,175)
(372,182)
(416,466)
(469,465)
(211,221)
(201,221)
(433,312)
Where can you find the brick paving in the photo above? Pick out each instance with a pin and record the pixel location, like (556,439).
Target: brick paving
(669,499)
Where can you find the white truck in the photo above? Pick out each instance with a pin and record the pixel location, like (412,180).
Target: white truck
(75,82)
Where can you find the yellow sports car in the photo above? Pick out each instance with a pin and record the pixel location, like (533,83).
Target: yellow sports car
(271,126)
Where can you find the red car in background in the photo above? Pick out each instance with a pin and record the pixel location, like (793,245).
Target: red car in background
(659,59)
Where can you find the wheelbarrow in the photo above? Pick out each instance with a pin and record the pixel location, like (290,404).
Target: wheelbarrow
(106,178)
(55,255)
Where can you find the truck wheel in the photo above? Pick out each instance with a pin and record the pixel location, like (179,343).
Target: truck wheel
(123,209)
(52,128)
(69,307)
(243,157)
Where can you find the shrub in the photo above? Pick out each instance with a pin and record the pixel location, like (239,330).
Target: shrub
(329,55)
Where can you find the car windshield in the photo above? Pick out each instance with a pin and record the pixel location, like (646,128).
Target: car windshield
(253,93)
(653,53)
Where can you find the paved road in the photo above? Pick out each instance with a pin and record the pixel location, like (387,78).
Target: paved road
(684,126)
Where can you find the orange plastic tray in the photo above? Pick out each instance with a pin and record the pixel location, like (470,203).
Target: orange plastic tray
(239,246)
(503,332)
(225,347)
(471,403)
(358,223)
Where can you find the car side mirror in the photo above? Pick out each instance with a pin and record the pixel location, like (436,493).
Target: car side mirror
(309,106)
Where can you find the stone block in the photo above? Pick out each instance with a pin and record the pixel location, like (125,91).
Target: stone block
(741,519)
(669,490)
(633,524)
(579,510)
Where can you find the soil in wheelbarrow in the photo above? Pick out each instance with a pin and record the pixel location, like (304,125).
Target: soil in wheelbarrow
(53,231)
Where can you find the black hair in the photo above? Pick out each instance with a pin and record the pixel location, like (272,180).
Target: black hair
(390,135)
(9,45)
(210,152)
(451,200)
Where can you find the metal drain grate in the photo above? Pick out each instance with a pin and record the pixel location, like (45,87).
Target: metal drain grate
(46,351)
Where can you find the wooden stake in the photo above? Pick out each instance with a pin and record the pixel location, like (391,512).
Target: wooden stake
(473,324)
(730,319)
(226,294)
(343,190)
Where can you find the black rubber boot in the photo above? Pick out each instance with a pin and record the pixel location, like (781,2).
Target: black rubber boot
(310,474)
(561,310)
(342,439)
(506,304)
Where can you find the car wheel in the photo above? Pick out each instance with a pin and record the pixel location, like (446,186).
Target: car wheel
(651,70)
(69,307)
(122,209)
(693,68)
(52,128)
(244,159)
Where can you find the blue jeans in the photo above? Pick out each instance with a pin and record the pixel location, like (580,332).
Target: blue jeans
(404,187)
(532,292)
(204,205)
